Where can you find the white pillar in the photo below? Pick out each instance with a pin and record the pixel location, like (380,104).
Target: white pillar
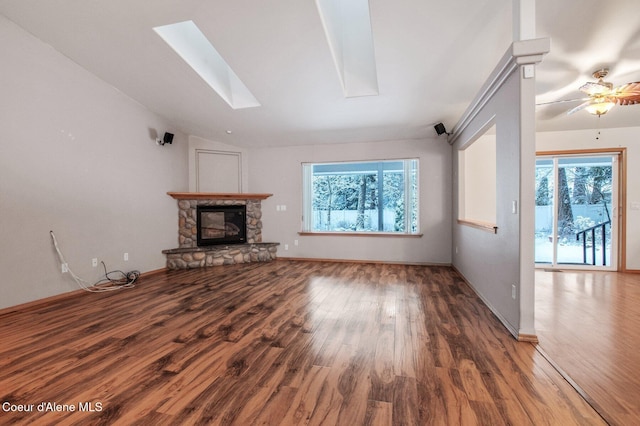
(524,28)
(524,20)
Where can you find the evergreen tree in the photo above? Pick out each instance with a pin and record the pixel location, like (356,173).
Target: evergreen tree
(580,186)
(565,214)
(542,192)
(362,197)
(601,179)
(398,225)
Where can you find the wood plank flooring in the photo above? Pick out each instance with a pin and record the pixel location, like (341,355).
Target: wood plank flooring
(280,343)
(589,325)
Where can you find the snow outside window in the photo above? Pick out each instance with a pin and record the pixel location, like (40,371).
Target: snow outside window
(366,196)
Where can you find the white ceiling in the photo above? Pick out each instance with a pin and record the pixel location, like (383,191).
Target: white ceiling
(432,58)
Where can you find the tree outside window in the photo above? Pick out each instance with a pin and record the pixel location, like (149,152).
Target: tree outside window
(379,196)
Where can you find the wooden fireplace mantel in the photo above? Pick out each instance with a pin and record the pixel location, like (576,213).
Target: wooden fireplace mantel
(217,196)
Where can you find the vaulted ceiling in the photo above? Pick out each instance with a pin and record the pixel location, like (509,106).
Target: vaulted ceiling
(431,59)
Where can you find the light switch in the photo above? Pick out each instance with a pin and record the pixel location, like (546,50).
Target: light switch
(528,71)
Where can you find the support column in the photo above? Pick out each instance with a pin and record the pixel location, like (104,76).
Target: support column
(524,20)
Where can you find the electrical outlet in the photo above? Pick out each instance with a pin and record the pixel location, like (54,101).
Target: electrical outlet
(295,242)
(126,257)
(94,262)
(65,268)
(286,247)
(513,291)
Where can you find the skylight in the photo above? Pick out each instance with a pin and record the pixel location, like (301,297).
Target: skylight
(347,25)
(193,47)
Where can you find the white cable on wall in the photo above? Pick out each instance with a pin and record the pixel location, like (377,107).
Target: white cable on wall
(105,284)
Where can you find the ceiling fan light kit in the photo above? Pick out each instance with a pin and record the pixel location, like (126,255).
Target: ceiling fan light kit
(600,107)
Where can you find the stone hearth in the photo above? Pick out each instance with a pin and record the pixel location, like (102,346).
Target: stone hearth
(189,255)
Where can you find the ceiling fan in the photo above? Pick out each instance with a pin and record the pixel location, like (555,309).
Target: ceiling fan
(602,96)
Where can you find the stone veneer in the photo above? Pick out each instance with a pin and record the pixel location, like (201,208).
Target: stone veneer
(189,255)
(220,255)
(187,217)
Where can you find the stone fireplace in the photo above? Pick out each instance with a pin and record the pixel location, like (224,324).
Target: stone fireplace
(195,252)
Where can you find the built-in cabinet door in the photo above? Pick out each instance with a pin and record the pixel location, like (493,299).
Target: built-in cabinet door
(218,171)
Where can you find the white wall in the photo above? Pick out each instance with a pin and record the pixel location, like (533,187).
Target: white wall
(629,138)
(279,171)
(79,158)
(477,171)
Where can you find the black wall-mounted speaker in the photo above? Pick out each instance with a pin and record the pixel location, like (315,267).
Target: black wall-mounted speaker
(440,129)
(168,138)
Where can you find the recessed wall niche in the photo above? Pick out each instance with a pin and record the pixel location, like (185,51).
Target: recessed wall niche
(477,179)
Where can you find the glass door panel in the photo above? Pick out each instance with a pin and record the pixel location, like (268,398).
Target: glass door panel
(575,220)
(545,188)
(584,204)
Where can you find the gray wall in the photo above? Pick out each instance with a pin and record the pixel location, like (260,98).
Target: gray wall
(279,171)
(79,158)
(493,263)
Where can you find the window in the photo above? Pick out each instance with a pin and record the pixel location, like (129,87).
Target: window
(371,196)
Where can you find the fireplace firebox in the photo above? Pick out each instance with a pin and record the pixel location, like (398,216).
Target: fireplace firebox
(221,225)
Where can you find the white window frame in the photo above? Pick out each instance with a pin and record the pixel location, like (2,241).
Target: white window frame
(409,165)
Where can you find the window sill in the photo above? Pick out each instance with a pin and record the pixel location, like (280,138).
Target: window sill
(484,226)
(359,234)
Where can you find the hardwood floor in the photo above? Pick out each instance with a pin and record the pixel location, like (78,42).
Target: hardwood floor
(589,325)
(280,343)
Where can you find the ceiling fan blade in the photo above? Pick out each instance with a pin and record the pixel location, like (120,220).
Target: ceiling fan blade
(627,94)
(562,101)
(580,107)
(551,111)
(628,99)
(629,87)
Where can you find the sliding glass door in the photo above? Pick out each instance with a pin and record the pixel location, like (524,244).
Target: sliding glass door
(576,211)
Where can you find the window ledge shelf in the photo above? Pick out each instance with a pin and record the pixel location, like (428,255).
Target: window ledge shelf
(359,234)
(484,226)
